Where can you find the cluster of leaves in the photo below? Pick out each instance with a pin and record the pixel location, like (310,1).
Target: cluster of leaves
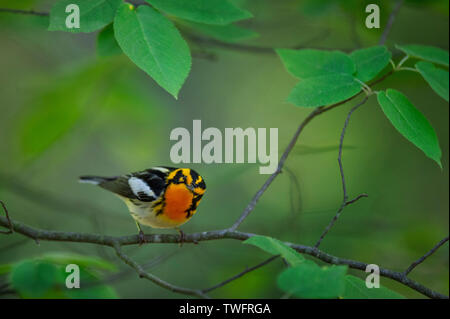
(148,37)
(305,279)
(329,77)
(45,277)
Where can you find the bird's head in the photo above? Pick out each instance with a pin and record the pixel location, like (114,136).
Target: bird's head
(185,189)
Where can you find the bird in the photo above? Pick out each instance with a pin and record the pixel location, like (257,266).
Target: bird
(159,197)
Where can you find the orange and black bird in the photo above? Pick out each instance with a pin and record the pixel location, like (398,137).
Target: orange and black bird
(159,197)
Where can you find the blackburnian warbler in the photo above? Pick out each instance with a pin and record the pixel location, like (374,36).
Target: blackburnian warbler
(160,197)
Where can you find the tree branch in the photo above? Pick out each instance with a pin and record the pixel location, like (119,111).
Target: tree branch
(249,48)
(283,158)
(114,242)
(202,40)
(242,273)
(289,148)
(428,254)
(390,22)
(26,12)
(10,226)
(143,274)
(345,201)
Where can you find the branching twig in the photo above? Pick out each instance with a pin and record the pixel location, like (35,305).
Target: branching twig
(390,22)
(9,225)
(283,158)
(345,201)
(143,274)
(289,148)
(198,237)
(242,273)
(341,144)
(428,254)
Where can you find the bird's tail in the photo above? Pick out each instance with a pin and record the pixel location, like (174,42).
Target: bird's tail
(96,180)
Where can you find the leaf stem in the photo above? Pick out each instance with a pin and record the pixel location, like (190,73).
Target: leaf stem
(364,87)
(402,61)
(405,68)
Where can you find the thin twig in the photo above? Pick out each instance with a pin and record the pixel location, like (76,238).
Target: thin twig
(345,201)
(341,144)
(28,12)
(10,226)
(428,254)
(242,273)
(390,22)
(289,148)
(202,40)
(144,274)
(250,48)
(283,158)
(156,261)
(48,235)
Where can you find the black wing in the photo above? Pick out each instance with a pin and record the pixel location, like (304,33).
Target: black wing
(145,186)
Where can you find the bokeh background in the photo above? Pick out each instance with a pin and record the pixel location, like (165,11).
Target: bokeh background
(66,112)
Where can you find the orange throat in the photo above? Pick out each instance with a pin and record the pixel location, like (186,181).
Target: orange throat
(178,200)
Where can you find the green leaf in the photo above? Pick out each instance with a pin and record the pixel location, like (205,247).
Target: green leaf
(311,63)
(94,14)
(202,11)
(106,42)
(437,78)
(311,281)
(425,52)
(356,288)
(226,33)
(410,123)
(324,90)
(63,258)
(32,279)
(153,43)
(275,247)
(369,62)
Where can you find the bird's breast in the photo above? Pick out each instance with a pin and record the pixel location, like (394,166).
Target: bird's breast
(177,201)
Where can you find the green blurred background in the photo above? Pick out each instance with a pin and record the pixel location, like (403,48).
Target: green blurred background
(66,112)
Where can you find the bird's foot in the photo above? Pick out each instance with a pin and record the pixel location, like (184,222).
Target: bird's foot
(142,239)
(182,236)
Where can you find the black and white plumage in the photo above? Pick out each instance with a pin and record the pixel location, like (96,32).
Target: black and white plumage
(145,186)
